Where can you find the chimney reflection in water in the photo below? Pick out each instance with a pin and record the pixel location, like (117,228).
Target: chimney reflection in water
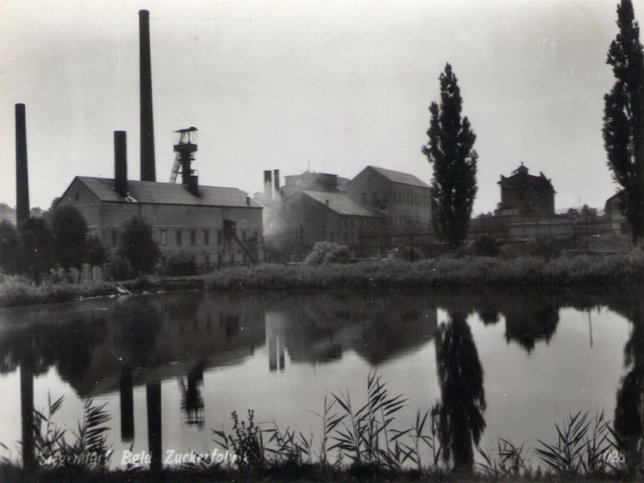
(275,353)
(127,405)
(153,401)
(27,407)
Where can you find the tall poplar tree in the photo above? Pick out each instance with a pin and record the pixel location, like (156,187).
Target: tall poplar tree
(622,129)
(450,151)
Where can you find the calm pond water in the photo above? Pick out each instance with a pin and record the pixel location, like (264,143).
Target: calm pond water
(172,366)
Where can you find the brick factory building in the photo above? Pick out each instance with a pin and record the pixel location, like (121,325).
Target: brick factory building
(375,211)
(214,227)
(402,198)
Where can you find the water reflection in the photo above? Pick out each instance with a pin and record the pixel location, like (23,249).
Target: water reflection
(460,376)
(319,328)
(629,408)
(126,397)
(192,403)
(112,346)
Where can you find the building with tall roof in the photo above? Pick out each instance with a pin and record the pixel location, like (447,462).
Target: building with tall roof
(210,226)
(314,216)
(313,207)
(525,194)
(402,198)
(364,213)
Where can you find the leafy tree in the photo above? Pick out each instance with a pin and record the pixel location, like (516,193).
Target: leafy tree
(450,151)
(37,247)
(95,252)
(623,119)
(9,247)
(70,233)
(137,246)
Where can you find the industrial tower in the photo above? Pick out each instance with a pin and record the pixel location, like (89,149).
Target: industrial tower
(184,148)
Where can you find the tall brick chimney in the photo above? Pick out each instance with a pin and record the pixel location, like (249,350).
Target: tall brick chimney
(22,174)
(148,171)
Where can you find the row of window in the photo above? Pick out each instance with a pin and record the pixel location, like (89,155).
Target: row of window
(406,221)
(411,198)
(186,237)
(400,198)
(359,223)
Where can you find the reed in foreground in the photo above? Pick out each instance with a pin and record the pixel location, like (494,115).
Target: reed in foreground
(357,443)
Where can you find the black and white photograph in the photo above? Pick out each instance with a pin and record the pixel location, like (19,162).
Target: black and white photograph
(322,240)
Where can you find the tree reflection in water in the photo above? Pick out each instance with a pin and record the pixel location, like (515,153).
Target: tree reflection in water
(460,376)
(629,409)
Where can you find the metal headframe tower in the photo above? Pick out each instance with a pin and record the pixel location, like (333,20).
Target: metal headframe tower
(184,148)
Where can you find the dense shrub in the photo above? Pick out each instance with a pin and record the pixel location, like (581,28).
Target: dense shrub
(9,247)
(446,271)
(95,251)
(120,269)
(17,290)
(137,245)
(405,253)
(70,235)
(180,265)
(486,246)
(36,240)
(325,252)
(545,247)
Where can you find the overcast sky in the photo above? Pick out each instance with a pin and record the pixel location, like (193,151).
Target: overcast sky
(285,84)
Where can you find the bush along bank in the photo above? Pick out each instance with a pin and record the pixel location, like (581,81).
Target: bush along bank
(16,290)
(447,271)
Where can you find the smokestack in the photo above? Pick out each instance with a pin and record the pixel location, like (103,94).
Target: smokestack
(148,172)
(120,163)
(22,174)
(193,184)
(276,181)
(268,185)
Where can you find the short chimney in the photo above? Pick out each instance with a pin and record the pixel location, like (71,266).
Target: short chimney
(276,181)
(120,163)
(268,185)
(193,184)
(148,172)
(22,174)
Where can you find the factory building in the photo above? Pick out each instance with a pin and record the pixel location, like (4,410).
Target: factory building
(370,213)
(210,226)
(326,216)
(311,207)
(402,198)
(218,226)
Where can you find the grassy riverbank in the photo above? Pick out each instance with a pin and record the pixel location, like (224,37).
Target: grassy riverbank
(438,272)
(445,271)
(15,290)
(20,291)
